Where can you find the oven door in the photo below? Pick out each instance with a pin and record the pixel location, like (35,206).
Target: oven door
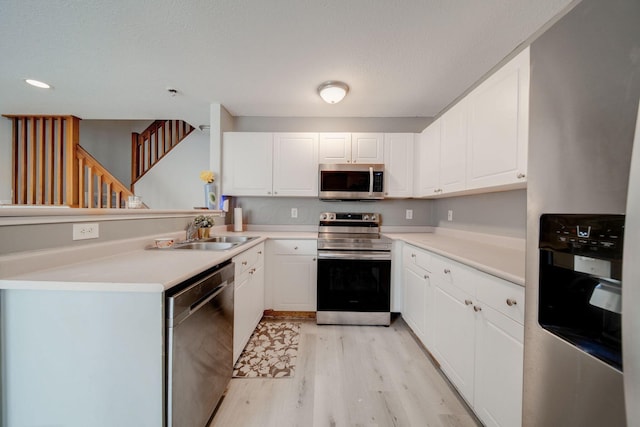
(354,281)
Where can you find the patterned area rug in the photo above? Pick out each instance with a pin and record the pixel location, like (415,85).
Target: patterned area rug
(271,351)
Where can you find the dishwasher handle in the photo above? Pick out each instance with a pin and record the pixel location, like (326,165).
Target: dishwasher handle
(205,299)
(188,300)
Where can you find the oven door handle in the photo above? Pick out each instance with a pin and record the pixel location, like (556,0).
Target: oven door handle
(358,255)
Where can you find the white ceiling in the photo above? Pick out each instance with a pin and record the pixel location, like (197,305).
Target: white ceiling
(115,59)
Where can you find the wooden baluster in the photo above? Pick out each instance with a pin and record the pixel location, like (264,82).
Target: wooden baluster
(154,137)
(99,190)
(32,163)
(40,190)
(164,138)
(50,155)
(72,140)
(108,192)
(90,185)
(60,161)
(15,167)
(118,202)
(81,182)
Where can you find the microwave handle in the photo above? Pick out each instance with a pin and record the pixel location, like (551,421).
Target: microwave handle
(370,180)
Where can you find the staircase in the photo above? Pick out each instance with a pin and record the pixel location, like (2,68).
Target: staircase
(50,168)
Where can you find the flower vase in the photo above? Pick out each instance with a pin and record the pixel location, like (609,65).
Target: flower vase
(210,195)
(203,233)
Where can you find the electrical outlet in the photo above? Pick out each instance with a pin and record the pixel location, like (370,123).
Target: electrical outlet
(86,231)
(450,215)
(294,212)
(409,214)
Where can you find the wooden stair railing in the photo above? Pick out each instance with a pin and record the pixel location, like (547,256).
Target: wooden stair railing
(50,168)
(151,145)
(43,159)
(103,190)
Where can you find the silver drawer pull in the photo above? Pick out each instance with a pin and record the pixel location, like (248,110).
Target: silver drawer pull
(468,302)
(313,259)
(521,175)
(259,252)
(477,308)
(295,248)
(244,262)
(426,276)
(413,255)
(447,271)
(511,302)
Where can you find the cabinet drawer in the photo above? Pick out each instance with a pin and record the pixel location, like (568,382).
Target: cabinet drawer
(294,247)
(253,257)
(448,271)
(412,255)
(501,295)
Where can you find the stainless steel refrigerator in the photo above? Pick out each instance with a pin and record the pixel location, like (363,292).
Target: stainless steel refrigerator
(585,87)
(631,289)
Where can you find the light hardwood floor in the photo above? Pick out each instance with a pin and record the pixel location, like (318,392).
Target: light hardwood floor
(349,376)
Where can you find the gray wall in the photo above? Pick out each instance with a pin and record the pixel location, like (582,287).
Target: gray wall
(19,238)
(585,84)
(503,213)
(331,124)
(277,211)
(109,141)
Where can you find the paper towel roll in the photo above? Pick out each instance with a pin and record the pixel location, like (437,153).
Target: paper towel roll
(237,219)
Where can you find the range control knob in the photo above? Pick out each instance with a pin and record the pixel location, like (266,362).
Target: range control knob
(374,217)
(323,216)
(366,217)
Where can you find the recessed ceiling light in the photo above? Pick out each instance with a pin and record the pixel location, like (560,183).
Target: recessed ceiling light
(38,83)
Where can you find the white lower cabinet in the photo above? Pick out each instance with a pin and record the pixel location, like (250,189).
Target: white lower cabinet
(293,265)
(248,300)
(472,323)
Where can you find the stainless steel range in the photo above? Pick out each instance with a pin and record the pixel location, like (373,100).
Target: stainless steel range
(354,270)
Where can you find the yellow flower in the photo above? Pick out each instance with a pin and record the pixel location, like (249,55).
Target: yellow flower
(207,176)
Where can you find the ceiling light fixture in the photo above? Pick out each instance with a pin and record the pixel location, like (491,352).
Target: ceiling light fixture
(333,91)
(37,83)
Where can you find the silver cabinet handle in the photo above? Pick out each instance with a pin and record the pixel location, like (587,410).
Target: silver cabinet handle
(426,276)
(295,248)
(259,252)
(468,302)
(447,271)
(521,175)
(477,308)
(511,302)
(244,262)
(253,270)
(313,259)
(413,255)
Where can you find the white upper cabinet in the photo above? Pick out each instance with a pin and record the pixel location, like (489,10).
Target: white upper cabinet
(367,148)
(266,164)
(295,164)
(427,162)
(498,112)
(351,148)
(334,148)
(247,163)
(453,148)
(398,164)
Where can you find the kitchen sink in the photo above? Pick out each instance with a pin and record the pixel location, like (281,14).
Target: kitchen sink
(216,243)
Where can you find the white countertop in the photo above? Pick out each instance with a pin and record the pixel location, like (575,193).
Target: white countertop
(127,266)
(500,257)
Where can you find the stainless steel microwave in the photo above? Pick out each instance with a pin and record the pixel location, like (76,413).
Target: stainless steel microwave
(351,181)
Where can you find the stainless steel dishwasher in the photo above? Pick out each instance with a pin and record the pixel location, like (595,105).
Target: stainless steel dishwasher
(199,347)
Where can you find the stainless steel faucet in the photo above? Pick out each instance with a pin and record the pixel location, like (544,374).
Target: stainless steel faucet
(192,231)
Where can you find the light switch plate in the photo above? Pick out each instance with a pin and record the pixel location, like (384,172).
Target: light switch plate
(86,231)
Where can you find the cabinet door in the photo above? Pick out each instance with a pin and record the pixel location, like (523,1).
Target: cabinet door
(454,336)
(427,162)
(246,163)
(398,164)
(498,126)
(294,282)
(242,315)
(499,369)
(453,146)
(295,164)
(367,148)
(334,148)
(418,304)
